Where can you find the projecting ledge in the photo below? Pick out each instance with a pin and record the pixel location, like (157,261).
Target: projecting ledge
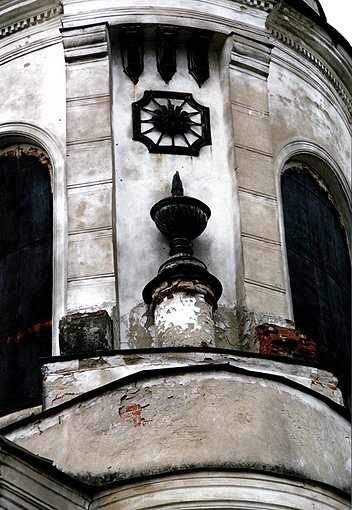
(192,418)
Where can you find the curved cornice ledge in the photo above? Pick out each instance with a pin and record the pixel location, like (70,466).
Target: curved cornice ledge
(308,55)
(15,17)
(224,418)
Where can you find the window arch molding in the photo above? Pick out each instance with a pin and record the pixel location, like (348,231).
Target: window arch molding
(309,250)
(325,166)
(22,132)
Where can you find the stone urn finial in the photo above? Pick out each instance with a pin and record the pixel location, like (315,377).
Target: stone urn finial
(177,187)
(180,218)
(183,281)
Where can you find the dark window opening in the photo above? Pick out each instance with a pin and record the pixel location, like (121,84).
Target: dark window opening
(319,269)
(25,277)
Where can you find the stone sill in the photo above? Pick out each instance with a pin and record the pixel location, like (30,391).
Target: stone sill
(67,378)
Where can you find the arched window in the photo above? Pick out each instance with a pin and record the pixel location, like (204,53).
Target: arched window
(319,269)
(25,274)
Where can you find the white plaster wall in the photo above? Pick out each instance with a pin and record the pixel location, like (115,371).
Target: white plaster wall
(26,487)
(303,107)
(220,490)
(66,380)
(33,85)
(211,14)
(220,417)
(143,178)
(33,110)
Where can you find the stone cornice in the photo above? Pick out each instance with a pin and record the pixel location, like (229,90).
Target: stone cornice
(319,64)
(29,48)
(216,15)
(307,34)
(28,18)
(259,4)
(265,5)
(85,43)
(251,55)
(16,18)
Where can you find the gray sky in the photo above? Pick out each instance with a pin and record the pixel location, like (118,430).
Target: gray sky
(339,15)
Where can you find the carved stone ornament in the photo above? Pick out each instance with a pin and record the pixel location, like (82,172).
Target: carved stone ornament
(198,55)
(166,51)
(171,123)
(131,42)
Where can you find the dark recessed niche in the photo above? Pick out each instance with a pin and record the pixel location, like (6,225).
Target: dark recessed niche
(131,44)
(171,123)
(198,55)
(166,41)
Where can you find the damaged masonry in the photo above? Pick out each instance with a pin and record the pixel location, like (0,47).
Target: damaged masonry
(186,349)
(183,294)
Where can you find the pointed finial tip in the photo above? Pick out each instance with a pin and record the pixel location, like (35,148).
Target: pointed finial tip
(177,188)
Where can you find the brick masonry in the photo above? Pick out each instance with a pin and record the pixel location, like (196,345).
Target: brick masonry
(280,341)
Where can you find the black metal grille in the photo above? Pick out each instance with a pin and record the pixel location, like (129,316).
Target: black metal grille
(319,268)
(25,278)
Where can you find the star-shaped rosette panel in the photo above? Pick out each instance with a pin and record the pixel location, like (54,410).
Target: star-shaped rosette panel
(171,123)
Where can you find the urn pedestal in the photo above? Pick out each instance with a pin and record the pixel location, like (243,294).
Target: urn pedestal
(183,294)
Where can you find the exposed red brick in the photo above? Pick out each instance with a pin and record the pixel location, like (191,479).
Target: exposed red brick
(183,286)
(132,413)
(36,328)
(280,341)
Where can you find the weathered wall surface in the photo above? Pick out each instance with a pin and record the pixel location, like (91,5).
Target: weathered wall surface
(147,178)
(303,109)
(90,259)
(28,486)
(221,490)
(279,96)
(222,418)
(40,100)
(66,379)
(276,91)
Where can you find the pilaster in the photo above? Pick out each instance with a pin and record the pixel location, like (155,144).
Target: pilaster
(89,168)
(264,277)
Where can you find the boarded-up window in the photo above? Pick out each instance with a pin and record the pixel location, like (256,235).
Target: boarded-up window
(319,268)
(25,277)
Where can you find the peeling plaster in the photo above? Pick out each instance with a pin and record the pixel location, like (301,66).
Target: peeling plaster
(184,319)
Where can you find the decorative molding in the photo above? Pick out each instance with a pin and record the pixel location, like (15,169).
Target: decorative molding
(183,15)
(245,108)
(252,149)
(132,38)
(85,43)
(132,48)
(88,141)
(166,42)
(20,51)
(265,240)
(264,285)
(175,123)
(250,55)
(101,183)
(30,21)
(246,191)
(198,55)
(28,133)
(91,99)
(92,230)
(84,278)
(259,4)
(308,55)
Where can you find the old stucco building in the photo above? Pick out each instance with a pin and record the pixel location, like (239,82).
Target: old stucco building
(200,360)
